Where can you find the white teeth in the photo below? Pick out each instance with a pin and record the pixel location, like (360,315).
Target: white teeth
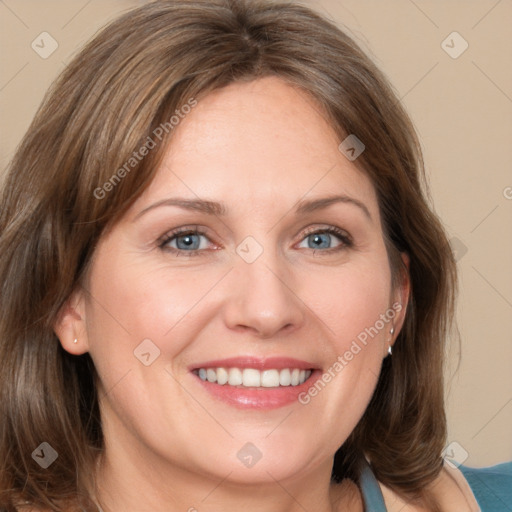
(285,377)
(235,377)
(250,377)
(222,376)
(270,378)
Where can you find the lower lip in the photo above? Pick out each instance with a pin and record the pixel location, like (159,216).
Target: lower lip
(258,398)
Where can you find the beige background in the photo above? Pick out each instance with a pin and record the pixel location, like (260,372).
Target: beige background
(462,109)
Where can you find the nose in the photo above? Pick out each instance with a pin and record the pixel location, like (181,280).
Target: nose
(261,299)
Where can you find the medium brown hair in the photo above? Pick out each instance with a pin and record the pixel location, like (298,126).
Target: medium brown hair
(128,81)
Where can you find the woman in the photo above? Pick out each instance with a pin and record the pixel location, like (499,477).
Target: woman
(295,362)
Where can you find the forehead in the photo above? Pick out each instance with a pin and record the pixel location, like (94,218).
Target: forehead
(258,145)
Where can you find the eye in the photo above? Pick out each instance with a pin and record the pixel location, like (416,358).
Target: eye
(323,239)
(184,241)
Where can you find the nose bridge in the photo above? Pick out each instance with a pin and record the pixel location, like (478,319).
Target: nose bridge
(260,291)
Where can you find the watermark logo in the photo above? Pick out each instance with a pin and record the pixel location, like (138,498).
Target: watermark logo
(45,455)
(454,454)
(249,455)
(147,352)
(458,247)
(44,45)
(249,249)
(352,147)
(454,45)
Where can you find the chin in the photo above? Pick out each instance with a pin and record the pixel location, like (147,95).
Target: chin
(264,460)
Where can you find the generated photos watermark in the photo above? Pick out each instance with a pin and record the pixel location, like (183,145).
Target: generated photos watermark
(151,142)
(354,349)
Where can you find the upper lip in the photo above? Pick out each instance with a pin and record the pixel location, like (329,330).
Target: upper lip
(259,363)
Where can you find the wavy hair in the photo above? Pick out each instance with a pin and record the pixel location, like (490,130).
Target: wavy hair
(130,79)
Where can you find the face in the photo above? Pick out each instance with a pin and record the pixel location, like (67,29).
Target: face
(252,330)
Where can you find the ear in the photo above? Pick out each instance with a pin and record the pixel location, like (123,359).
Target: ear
(70,324)
(401,296)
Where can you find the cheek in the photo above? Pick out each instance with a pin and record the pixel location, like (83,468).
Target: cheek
(350,301)
(136,310)
(358,316)
(131,303)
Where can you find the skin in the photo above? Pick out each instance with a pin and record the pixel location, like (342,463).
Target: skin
(259,147)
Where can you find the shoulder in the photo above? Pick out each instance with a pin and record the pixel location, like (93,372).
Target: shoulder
(463,489)
(492,486)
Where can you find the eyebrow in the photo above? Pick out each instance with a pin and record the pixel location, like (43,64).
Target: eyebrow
(219,209)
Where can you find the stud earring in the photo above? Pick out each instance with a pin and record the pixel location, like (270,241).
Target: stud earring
(390,351)
(75,340)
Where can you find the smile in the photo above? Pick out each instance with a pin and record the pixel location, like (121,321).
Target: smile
(254,378)
(255,382)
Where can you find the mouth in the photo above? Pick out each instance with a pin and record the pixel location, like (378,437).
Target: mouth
(256,383)
(254,378)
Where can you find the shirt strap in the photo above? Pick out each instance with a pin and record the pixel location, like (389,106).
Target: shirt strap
(372,495)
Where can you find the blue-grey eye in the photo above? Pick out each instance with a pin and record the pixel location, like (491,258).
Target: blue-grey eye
(187,241)
(319,241)
(324,238)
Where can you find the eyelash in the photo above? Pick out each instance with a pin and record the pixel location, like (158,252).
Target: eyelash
(332,230)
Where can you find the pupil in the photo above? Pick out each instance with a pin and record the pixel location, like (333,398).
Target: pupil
(318,240)
(186,241)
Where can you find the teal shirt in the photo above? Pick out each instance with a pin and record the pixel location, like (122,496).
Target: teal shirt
(491,486)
